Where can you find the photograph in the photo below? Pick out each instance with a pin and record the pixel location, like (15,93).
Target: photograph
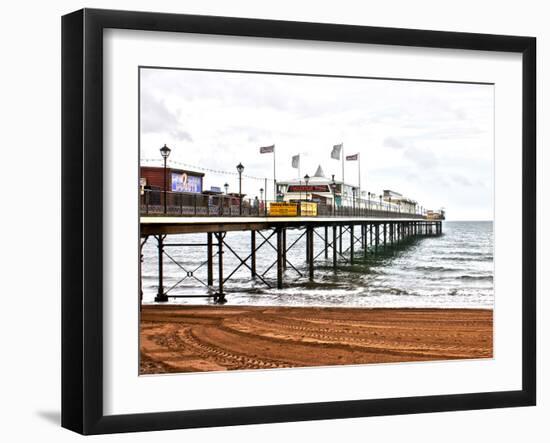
(305,220)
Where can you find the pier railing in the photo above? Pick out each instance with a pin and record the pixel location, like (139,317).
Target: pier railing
(159,203)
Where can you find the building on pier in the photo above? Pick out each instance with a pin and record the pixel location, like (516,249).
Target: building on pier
(318,189)
(402,203)
(177,180)
(435,215)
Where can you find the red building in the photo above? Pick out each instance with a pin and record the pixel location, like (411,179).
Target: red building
(177,180)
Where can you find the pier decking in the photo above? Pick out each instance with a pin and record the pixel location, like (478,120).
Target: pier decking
(366,235)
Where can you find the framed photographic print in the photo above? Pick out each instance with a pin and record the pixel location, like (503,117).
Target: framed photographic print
(269,221)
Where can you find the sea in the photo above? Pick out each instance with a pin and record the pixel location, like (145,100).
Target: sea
(454,270)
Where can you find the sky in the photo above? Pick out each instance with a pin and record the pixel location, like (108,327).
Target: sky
(432,142)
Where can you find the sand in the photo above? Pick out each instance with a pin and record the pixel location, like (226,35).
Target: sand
(219,338)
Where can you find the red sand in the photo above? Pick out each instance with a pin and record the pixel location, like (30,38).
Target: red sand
(217,338)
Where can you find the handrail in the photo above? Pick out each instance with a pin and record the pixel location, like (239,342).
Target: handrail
(222,205)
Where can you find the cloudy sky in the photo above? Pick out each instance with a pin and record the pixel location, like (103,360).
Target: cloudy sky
(432,142)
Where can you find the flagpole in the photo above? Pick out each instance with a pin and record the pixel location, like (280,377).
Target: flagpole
(300,176)
(274,177)
(343,159)
(359,176)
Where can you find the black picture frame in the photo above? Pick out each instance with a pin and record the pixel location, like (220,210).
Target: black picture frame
(82,218)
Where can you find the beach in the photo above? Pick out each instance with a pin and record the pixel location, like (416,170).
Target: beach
(187,338)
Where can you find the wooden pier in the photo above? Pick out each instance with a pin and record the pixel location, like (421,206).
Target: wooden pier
(366,235)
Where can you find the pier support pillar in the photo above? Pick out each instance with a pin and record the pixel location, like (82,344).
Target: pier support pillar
(334,252)
(284,248)
(253,253)
(376,237)
(326,242)
(220,295)
(364,241)
(280,254)
(370,235)
(209,263)
(340,240)
(161,296)
(351,244)
(309,249)
(385,239)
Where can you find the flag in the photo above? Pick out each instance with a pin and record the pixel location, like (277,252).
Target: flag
(296,161)
(352,157)
(267,149)
(336,149)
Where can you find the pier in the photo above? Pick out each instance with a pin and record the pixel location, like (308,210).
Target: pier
(351,235)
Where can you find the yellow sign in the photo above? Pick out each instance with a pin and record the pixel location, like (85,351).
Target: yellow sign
(308,209)
(283,209)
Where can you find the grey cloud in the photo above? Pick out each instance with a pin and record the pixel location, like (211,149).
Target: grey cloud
(421,157)
(156,117)
(461,180)
(393,142)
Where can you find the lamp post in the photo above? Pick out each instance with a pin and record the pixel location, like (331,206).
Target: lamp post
(380,201)
(333,187)
(262,202)
(226,186)
(306,179)
(240,169)
(354,192)
(165,152)
(368,202)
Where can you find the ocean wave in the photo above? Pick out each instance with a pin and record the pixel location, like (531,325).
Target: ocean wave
(475,277)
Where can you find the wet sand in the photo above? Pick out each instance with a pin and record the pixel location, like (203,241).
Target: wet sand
(219,338)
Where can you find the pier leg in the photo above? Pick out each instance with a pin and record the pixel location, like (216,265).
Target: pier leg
(326,242)
(351,244)
(334,254)
(280,258)
(220,296)
(309,238)
(284,248)
(370,235)
(161,296)
(364,241)
(376,238)
(398,232)
(391,234)
(253,253)
(209,263)
(340,240)
(142,244)
(385,240)
(307,245)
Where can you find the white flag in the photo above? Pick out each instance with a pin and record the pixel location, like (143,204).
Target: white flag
(336,150)
(296,161)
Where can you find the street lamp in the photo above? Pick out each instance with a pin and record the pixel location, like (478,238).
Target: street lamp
(354,192)
(306,179)
(226,186)
(165,152)
(333,187)
(240,169)
(368,202)
(261,194)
